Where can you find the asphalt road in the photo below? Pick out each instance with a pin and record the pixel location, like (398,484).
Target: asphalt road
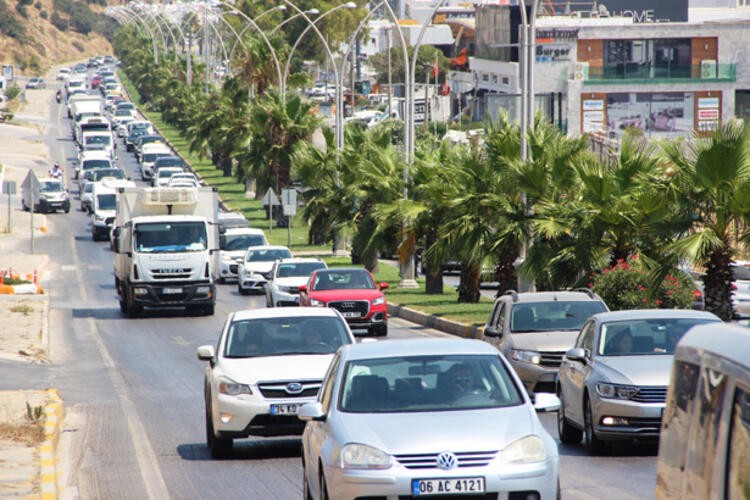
(134,425)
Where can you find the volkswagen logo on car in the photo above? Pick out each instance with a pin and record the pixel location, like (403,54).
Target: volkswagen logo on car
(446,460)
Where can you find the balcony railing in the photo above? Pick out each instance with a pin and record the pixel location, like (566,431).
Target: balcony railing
(636,74)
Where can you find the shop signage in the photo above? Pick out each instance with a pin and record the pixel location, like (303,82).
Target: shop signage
(708,102)
(642,11)
(708,114)
(593,104)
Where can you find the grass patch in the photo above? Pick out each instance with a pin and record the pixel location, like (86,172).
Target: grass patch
(30,434)
(23,309)
(443,306)
(231,192)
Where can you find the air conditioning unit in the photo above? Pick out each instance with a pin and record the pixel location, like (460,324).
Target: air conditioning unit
(581,71)
(708,68)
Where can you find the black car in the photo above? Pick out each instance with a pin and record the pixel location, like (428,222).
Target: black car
(131,139)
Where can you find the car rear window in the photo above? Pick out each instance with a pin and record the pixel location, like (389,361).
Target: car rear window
(741,271)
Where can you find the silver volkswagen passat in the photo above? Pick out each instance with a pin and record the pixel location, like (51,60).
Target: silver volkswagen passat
(613,383)
(418,418)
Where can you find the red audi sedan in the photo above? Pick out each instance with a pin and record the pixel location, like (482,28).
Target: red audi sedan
(354,293)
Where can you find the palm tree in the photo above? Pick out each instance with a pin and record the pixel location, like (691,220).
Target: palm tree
(710,187)
(276,125)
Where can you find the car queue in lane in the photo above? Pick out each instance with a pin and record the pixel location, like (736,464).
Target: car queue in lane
(424,483)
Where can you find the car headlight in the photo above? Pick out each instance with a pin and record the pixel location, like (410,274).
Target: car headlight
(616,391)
(361,456)
(99,218)
(380,300)
(532,357)
(316,302)
(232,388)
(285,289)
(526,450)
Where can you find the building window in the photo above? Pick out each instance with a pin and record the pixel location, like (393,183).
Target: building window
(506,80)
(667,58)
(494,79)
(485,77)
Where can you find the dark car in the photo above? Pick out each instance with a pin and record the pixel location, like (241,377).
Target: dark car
(168,161)
(133,137)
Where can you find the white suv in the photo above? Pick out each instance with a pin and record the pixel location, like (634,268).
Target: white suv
(266,364)
(255,268)
(286,276)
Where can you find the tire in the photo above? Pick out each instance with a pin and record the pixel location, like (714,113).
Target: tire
(242,290)
(593,444)
(323,487)
(306,494)
(134,311)
(567,432)
(380,331)
(24,206)
(123,307)
(220,447)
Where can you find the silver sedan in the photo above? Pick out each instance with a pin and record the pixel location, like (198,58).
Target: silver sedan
(426,417)
(613,383)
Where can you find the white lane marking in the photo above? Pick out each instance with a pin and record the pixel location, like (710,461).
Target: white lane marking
(68,267)
(153,481)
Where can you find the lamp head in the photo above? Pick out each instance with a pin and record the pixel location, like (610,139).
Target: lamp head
(350,5)
(281,7)
(312,12)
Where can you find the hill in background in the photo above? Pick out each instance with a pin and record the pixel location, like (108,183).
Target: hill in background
(38,34)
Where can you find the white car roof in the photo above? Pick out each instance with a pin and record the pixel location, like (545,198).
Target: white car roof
(94,154)
(283,312)
(423,346)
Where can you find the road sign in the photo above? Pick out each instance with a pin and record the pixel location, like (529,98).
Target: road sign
(31,183)
(289,201)
(270,198)
(9,187)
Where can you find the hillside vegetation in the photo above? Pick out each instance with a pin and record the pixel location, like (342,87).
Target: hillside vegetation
(37,34)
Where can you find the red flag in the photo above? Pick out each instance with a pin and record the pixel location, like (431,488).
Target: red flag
(435,67)
(446,89)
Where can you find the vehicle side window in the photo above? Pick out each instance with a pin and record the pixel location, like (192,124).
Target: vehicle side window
(586,337)
(326,391)
(703,439)
(738,460)
(499,321)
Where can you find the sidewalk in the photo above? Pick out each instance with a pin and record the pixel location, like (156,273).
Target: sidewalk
(29,418)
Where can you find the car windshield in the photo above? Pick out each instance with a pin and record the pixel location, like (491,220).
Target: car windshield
(165,173)
(88,187)
(94,164)
(285,336)
(644,336)
(269,254)
(98,139)
(123,112)
(159,237)
(242,241)
(346,279)
(106,201)
(51,187)
(553,315)
(107,172)
(427,383)
(298,269)
(168,162)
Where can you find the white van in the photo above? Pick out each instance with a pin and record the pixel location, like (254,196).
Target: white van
(103,204)
(99,139)
(704,446)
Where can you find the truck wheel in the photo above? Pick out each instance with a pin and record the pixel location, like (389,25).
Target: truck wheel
(241,290)
(123,307)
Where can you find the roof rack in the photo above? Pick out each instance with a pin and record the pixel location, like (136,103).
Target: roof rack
(513,294)
(587,291)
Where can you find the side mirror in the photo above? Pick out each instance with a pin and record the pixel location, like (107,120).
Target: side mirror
(303,288)
(491,331)
(311,411)
(545,402)
(383,285)
(206,353)
(576,354)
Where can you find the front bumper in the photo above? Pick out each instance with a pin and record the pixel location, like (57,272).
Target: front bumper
(253,282)
(46,205)
(396,482)
(228,270)
(632,420)
(249,415)
(282,299)
(173,294)
(535,377)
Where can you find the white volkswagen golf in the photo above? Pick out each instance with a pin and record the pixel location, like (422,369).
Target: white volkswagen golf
(266,364)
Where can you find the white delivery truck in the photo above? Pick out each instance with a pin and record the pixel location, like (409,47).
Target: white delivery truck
(166,248)
(84,103)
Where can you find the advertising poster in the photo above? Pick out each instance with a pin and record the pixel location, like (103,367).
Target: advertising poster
(659,114)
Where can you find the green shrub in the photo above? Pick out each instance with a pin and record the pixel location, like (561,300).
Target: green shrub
(9,24)
(38,5)
(626,286)
(12,92)
(25,2)
(21,9)
(44,14)
(59,22)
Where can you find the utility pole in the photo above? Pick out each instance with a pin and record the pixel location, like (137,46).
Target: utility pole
(205,45)
(390,81)
(190,59)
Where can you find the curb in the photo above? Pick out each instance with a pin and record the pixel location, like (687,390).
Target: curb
(431,321)
(53,413)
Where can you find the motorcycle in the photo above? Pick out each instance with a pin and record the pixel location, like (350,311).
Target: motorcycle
(58,96)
